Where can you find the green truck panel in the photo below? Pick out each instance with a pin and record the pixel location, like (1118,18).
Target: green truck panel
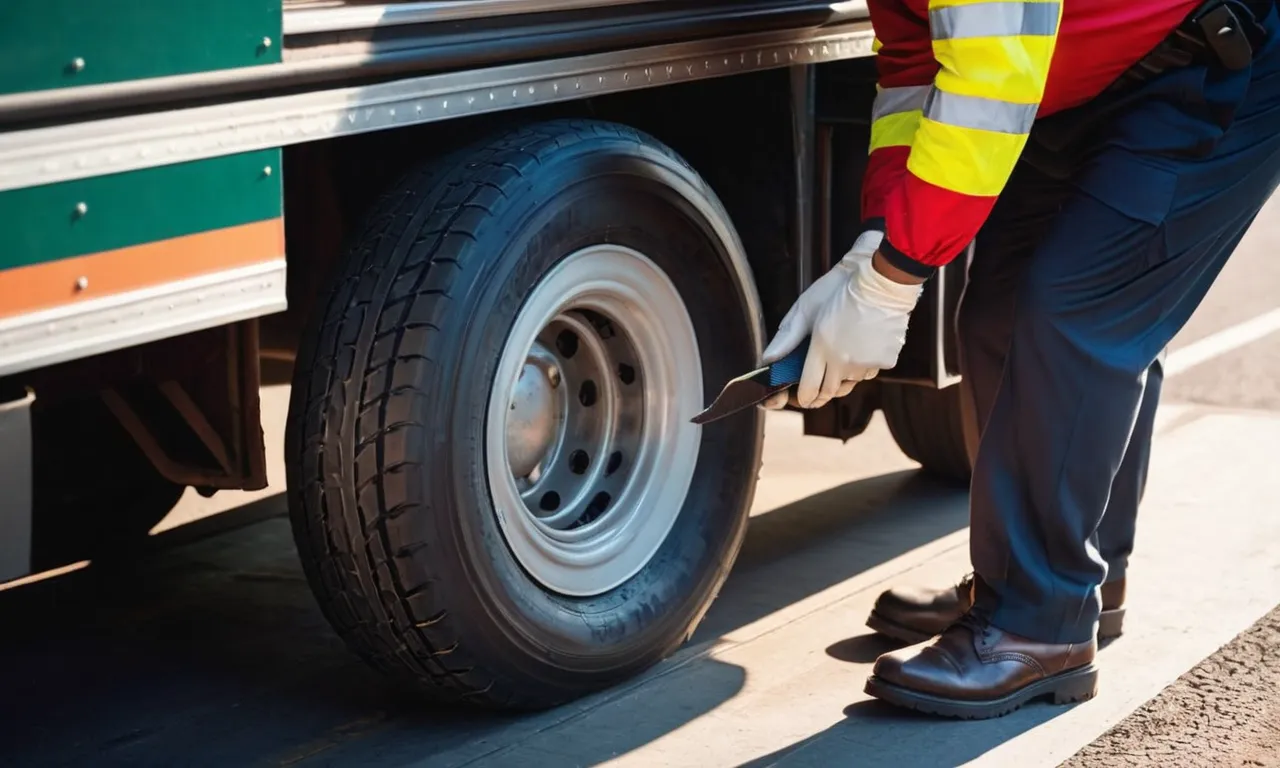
(65,43)
(74,218)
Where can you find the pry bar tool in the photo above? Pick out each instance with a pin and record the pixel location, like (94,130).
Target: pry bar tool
(752,389)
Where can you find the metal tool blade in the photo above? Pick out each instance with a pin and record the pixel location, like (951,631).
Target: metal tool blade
(752,389)
(738,395)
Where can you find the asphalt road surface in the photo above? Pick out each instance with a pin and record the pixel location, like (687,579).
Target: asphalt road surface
(212,653)
(1225,712)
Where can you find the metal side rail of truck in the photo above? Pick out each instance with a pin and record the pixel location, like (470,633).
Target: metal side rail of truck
(503,250)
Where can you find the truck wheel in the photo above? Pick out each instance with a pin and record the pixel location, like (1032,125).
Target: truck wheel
(495,487)
(928,425)
(96,495)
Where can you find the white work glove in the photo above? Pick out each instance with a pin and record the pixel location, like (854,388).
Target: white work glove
(803,315)
(857,319)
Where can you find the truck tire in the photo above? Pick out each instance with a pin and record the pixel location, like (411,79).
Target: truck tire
(928,425)
(494,484)
(96,495)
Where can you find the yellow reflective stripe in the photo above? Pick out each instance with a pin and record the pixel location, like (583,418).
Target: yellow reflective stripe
(1006,69)
(895,113)
(994,58)
(969,161)
(876,45)
(994,18)
(933,4)
(896,130)
(1012,67)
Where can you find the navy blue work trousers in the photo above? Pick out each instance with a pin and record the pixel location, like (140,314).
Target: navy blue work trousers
(1076,287)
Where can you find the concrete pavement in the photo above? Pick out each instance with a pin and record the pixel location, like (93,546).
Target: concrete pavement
(791,680)
(213,653)
(216,655)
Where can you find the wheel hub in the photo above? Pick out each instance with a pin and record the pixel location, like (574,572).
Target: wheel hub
(536,414)
(590,451)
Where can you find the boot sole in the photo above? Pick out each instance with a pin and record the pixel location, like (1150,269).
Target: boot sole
(1070,687)
(1110,626)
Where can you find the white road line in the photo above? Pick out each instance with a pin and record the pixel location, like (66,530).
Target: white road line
(1222,342)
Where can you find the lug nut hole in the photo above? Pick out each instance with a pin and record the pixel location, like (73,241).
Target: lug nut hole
(626,373)
(615,461)
(579,461)
(599,503)
(587,393)
(550,501)
(567,343)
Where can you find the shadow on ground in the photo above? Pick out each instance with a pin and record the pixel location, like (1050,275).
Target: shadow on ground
(212,651)
(934,743)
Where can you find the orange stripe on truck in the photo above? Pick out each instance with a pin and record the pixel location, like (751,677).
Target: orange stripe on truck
(106,273)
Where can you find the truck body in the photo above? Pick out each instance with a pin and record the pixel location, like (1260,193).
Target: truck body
(502,251)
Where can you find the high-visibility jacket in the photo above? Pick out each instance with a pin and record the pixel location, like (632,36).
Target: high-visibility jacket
(960,83)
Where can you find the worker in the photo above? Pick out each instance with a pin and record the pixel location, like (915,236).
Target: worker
(1104,158)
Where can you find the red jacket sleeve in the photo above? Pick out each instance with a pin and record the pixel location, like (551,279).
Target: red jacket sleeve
(958,93)
(905,68)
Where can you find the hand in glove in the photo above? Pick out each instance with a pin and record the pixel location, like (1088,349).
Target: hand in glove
(799,321)
(857,319)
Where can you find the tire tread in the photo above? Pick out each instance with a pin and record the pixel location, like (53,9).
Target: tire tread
(409,254)
(928,425)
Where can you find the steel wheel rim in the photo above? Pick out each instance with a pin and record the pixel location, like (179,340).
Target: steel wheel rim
(588,445)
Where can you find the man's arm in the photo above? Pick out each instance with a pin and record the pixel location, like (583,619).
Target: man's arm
(905,69)
(940,169)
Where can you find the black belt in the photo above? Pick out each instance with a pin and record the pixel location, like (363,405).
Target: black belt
(1218,33)
(1223,33)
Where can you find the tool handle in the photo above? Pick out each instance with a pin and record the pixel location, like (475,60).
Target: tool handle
(788,369)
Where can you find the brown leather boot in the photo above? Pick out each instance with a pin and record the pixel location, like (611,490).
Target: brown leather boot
(915,614)
(975,671)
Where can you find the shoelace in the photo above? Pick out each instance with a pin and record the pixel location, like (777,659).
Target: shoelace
(977,623)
